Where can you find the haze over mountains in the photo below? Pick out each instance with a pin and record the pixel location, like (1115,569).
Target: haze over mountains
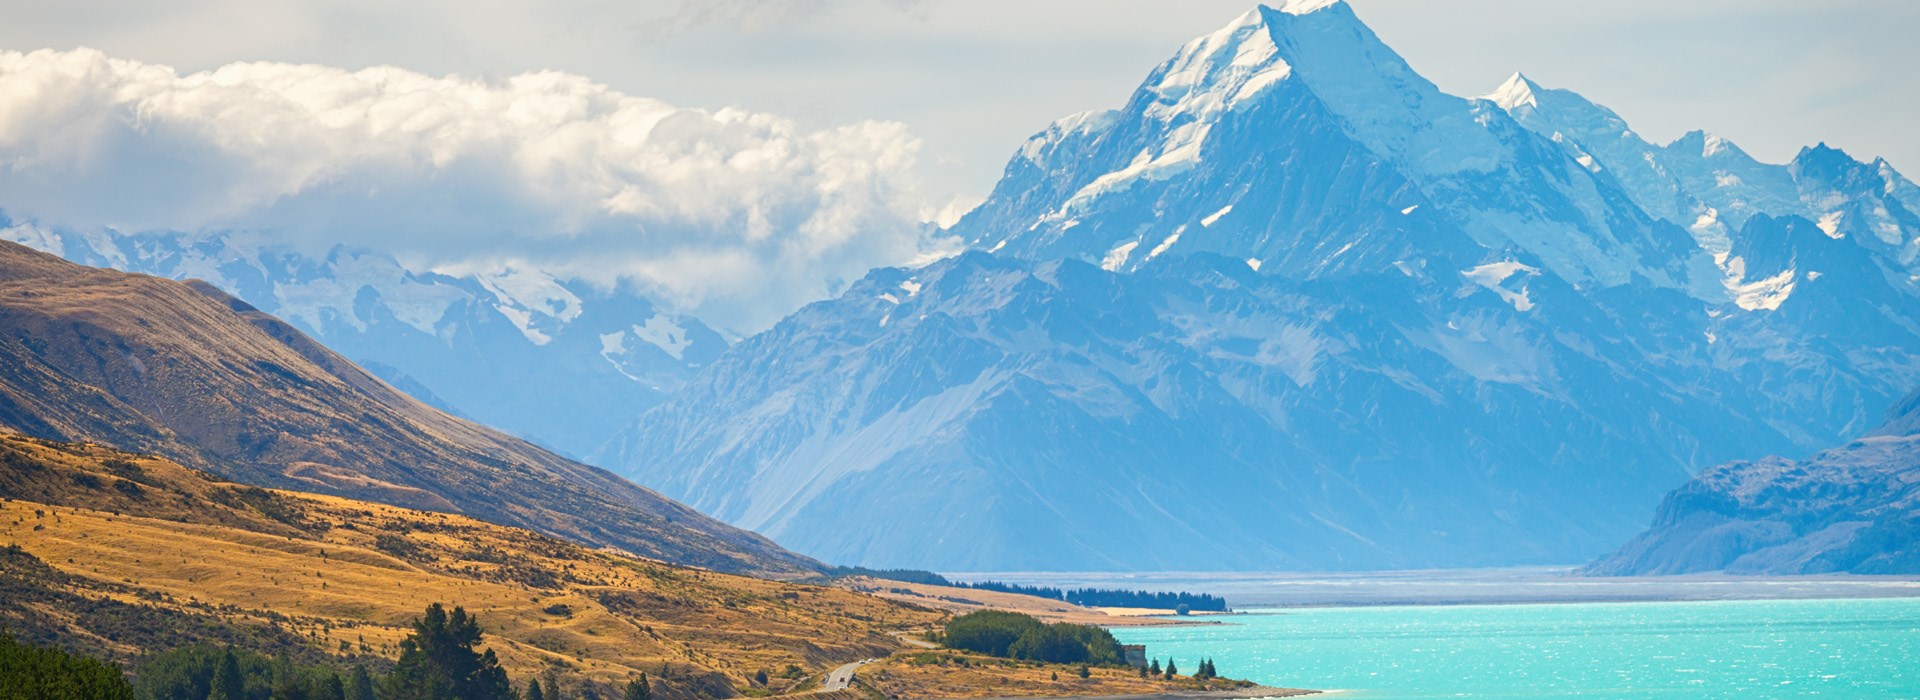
(1852,509)
(1289,306)
(185,371)
(1293,307)
(559,361)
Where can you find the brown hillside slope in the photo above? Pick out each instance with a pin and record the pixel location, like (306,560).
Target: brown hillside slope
(119,555)
(185,371)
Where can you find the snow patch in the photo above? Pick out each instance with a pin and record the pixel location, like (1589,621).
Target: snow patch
(1254,263)
(1493,277)
(523,320)
(1763,294)
(521,294)
(1306,7)
(1168,243)
(1117,258)
(1830,223)
(663,333)
(1208,222)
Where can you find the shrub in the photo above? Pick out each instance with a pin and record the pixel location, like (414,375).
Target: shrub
(28,671)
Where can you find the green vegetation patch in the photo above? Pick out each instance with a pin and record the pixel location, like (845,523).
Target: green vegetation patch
(1012,635)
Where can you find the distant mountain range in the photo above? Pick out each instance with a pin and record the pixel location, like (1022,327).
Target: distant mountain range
(1291,306)
(1852,509)
(557,361)
(183,370)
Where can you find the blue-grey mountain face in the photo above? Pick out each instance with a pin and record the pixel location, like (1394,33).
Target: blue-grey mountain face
(1293,307)
(557,361)
(1855,509)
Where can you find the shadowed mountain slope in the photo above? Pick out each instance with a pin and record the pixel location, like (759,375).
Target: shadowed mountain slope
(1853,509)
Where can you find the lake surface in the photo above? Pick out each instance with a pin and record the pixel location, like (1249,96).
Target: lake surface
(1854,649)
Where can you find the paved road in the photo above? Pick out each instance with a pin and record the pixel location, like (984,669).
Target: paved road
(841,678)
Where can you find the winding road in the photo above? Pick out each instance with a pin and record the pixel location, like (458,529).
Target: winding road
(841,678)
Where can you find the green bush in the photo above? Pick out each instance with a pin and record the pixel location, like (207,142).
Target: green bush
(1024,637)
(27,671)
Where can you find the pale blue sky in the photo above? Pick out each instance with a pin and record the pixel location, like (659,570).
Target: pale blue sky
(973,77)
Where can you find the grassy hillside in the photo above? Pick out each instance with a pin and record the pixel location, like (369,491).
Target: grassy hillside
(119,555)
(183,370)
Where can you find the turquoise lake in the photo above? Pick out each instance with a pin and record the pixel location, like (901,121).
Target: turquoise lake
(1853,649)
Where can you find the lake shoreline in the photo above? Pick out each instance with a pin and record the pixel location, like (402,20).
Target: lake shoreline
(1259,691)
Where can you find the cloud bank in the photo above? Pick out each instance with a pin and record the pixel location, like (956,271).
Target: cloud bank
(733,215)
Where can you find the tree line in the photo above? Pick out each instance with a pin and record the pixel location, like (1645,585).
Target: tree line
(1111,598)
(1014,635)
(1089,597)
(439,660)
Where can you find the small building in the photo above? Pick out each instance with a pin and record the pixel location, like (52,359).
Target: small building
(1136,654)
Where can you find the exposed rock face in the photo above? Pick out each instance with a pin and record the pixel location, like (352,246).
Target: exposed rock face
(1854,509)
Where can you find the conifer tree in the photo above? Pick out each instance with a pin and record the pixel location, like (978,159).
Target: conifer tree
(328,687)
(533,690)
(1171,669)
(360,685)
(438,661)
(227,682)
(288,683)
(28,671)
(1085,672)
(1153,669)
(639,689)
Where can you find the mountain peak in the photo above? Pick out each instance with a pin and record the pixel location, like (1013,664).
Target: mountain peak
(1304,7)
(1707,145)
(1516,92)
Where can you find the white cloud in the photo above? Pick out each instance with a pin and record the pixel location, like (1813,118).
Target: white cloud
(736,215)
(757,15)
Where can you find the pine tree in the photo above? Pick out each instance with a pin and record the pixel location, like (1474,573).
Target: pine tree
(360,685)
(438,661)
(1143,671)
(533,690)
(639,689)
(1085,672)
(329,687)
(288,683)
(760,677)
(1056,675)
(227,683)
(1153,669)
(1171,669)
(27,671)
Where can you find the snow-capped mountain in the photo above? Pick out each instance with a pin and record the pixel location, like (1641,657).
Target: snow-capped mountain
(1711,186)
(554,360)
(1293,137)
(1291,306)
